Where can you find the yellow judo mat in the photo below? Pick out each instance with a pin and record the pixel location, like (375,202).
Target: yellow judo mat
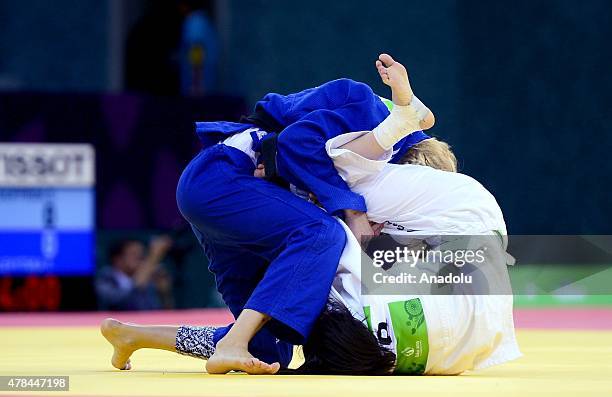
(555,363)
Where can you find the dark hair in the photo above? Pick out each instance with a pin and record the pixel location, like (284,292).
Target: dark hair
(118,247)
(340,344)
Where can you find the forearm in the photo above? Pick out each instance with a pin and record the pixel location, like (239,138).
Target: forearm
(352,213)
(366,146)
(303,161)
(359,225)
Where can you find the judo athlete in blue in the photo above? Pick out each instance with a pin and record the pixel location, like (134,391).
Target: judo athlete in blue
(274,255)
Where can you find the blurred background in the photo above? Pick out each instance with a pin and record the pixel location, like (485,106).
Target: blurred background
(522,91)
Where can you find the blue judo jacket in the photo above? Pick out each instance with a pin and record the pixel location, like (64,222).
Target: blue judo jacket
(309,119)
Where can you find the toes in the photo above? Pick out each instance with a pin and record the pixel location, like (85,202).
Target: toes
(269,369)
(386,59)
(383,73)
(251,365)
(255,366)
(120,360)
(260,367)
(275,367)
(121,365)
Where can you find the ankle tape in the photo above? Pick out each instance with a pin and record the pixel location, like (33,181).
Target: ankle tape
(402,121)
(195,341)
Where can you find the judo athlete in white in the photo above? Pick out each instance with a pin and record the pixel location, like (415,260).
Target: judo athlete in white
(463,332)
(428,334)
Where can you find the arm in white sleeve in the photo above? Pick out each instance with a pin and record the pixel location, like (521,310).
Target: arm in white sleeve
(351,166)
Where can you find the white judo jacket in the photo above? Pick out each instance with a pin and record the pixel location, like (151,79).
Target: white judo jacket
(464,332)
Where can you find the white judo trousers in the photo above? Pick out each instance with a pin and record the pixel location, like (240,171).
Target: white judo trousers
(465,332)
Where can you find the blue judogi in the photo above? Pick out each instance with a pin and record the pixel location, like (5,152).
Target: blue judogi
(310,118)
(271,251)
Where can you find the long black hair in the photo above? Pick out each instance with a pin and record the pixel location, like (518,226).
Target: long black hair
(340,344)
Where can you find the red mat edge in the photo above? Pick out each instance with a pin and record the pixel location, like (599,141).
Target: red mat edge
(525,318)
(72,319)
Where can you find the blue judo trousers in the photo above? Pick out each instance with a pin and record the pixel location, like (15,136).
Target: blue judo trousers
(270,250)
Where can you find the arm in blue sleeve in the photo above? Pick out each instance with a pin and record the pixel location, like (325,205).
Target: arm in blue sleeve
(333,95)
(303,161)
(317,115)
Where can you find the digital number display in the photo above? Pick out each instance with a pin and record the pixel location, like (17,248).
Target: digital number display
(47,209)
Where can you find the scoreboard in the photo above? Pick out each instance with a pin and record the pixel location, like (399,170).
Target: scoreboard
(47,214)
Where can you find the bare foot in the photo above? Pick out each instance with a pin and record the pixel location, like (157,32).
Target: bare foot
(394,75)
(117,333)
(226,359)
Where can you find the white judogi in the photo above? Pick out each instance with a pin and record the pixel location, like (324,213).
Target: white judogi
(464,332)
(417,199)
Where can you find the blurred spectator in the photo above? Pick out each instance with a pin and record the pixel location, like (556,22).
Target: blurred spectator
(199,51)
(173,49)
(135,281)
